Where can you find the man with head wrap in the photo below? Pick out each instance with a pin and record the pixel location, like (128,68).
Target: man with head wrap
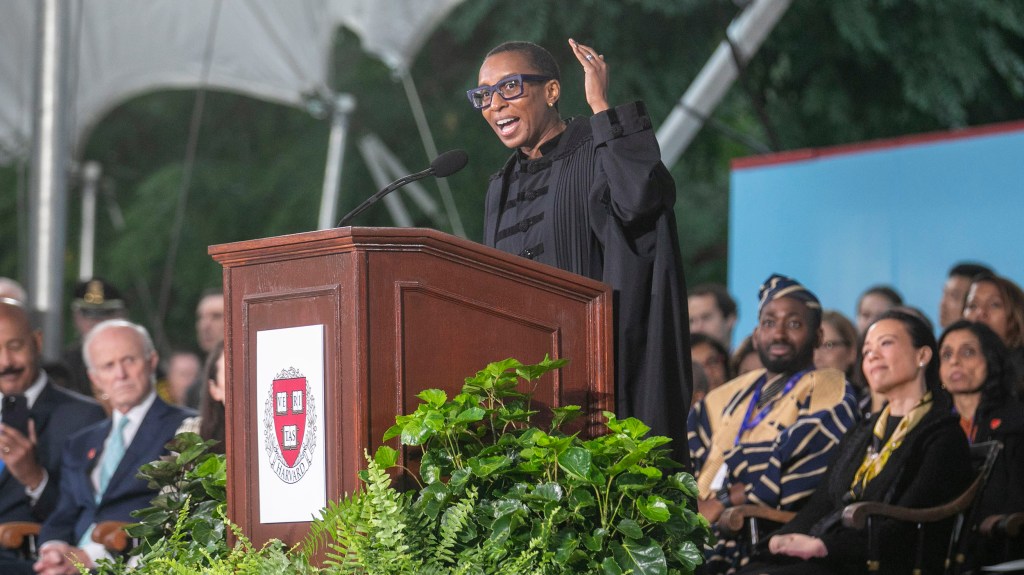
(766,436)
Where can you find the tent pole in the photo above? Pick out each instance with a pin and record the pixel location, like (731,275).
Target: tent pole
(341,110)
(91,172)
(48,188)
(744,36)
(428,144)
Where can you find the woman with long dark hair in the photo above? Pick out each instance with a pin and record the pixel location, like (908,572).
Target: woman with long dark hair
(977,371)
(210,422)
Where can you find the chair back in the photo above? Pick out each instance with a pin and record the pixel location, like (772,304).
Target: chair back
(983,459)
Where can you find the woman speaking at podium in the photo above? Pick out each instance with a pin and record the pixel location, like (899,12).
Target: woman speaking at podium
(591,196)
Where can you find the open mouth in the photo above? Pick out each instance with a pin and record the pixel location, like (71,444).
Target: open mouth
(506,125)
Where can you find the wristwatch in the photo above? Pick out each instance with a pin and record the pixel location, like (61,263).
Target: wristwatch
(723,497)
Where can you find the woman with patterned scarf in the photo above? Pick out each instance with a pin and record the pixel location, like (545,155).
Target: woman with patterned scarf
(912,454)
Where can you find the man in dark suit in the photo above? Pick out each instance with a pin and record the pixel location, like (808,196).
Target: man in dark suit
(98,481)
(36,418)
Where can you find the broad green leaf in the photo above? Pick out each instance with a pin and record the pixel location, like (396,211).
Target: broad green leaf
(653,508)
(649,472)
(433,465)
(641,557)
(632,482)
(630,528)
(687,553)
(610,567)
(393,431)
(415,433)
(485,466)
(434,397)
(434,420)
(532,372)
(566,542)
(684,482)
(576,462)
(507,506)
(627,462)
(581,499)
(501,528)
(595,541)
(470,415)
(549,492)
(431,499)
(211,466)
(634,428)
(459,479)
(565,414)
(652,442)
(385,457)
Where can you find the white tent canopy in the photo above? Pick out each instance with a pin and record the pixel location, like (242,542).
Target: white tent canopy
(65,63)
(268,49)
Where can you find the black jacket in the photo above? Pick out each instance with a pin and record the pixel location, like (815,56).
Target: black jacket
(931,467)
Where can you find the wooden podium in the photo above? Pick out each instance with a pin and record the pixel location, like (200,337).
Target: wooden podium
(402,310)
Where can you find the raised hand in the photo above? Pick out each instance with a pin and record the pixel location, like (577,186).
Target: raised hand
(595,75)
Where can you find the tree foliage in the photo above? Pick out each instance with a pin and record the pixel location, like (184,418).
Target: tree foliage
(831,72)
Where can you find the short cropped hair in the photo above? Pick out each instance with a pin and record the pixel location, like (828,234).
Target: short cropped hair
(969,270)
(540,59)
(723,301)
(885,291)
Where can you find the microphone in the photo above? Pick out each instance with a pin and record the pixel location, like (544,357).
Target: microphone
(443,166)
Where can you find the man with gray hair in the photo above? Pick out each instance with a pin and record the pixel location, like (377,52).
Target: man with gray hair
(13,290)
(98,479)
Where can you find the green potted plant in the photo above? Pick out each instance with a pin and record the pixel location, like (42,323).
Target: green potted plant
(499,494)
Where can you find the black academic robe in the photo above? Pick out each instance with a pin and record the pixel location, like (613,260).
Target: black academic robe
(599,203)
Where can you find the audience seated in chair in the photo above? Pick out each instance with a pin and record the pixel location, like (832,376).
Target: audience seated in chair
(765,436)
(894,457)
(37,416)
(976,370)
(98,473)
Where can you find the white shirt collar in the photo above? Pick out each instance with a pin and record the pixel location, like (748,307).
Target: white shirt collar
(135,416)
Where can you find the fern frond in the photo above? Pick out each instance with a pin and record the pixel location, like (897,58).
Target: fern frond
(453,523)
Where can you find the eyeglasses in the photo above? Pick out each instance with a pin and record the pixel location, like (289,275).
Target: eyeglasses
(509,88)
(833,343)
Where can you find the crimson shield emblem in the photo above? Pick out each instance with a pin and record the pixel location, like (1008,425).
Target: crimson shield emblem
(289,404)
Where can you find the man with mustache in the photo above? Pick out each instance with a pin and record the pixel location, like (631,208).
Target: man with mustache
(36,417)
(766,436)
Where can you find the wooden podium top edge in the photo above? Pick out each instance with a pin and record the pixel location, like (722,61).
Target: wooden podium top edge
(385,239)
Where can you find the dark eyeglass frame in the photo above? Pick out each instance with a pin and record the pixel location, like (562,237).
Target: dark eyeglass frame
(834,343)
(488,92)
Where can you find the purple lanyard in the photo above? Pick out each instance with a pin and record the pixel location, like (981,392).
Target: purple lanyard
(749,424)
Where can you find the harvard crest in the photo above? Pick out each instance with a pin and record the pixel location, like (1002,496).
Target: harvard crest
(289,426)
